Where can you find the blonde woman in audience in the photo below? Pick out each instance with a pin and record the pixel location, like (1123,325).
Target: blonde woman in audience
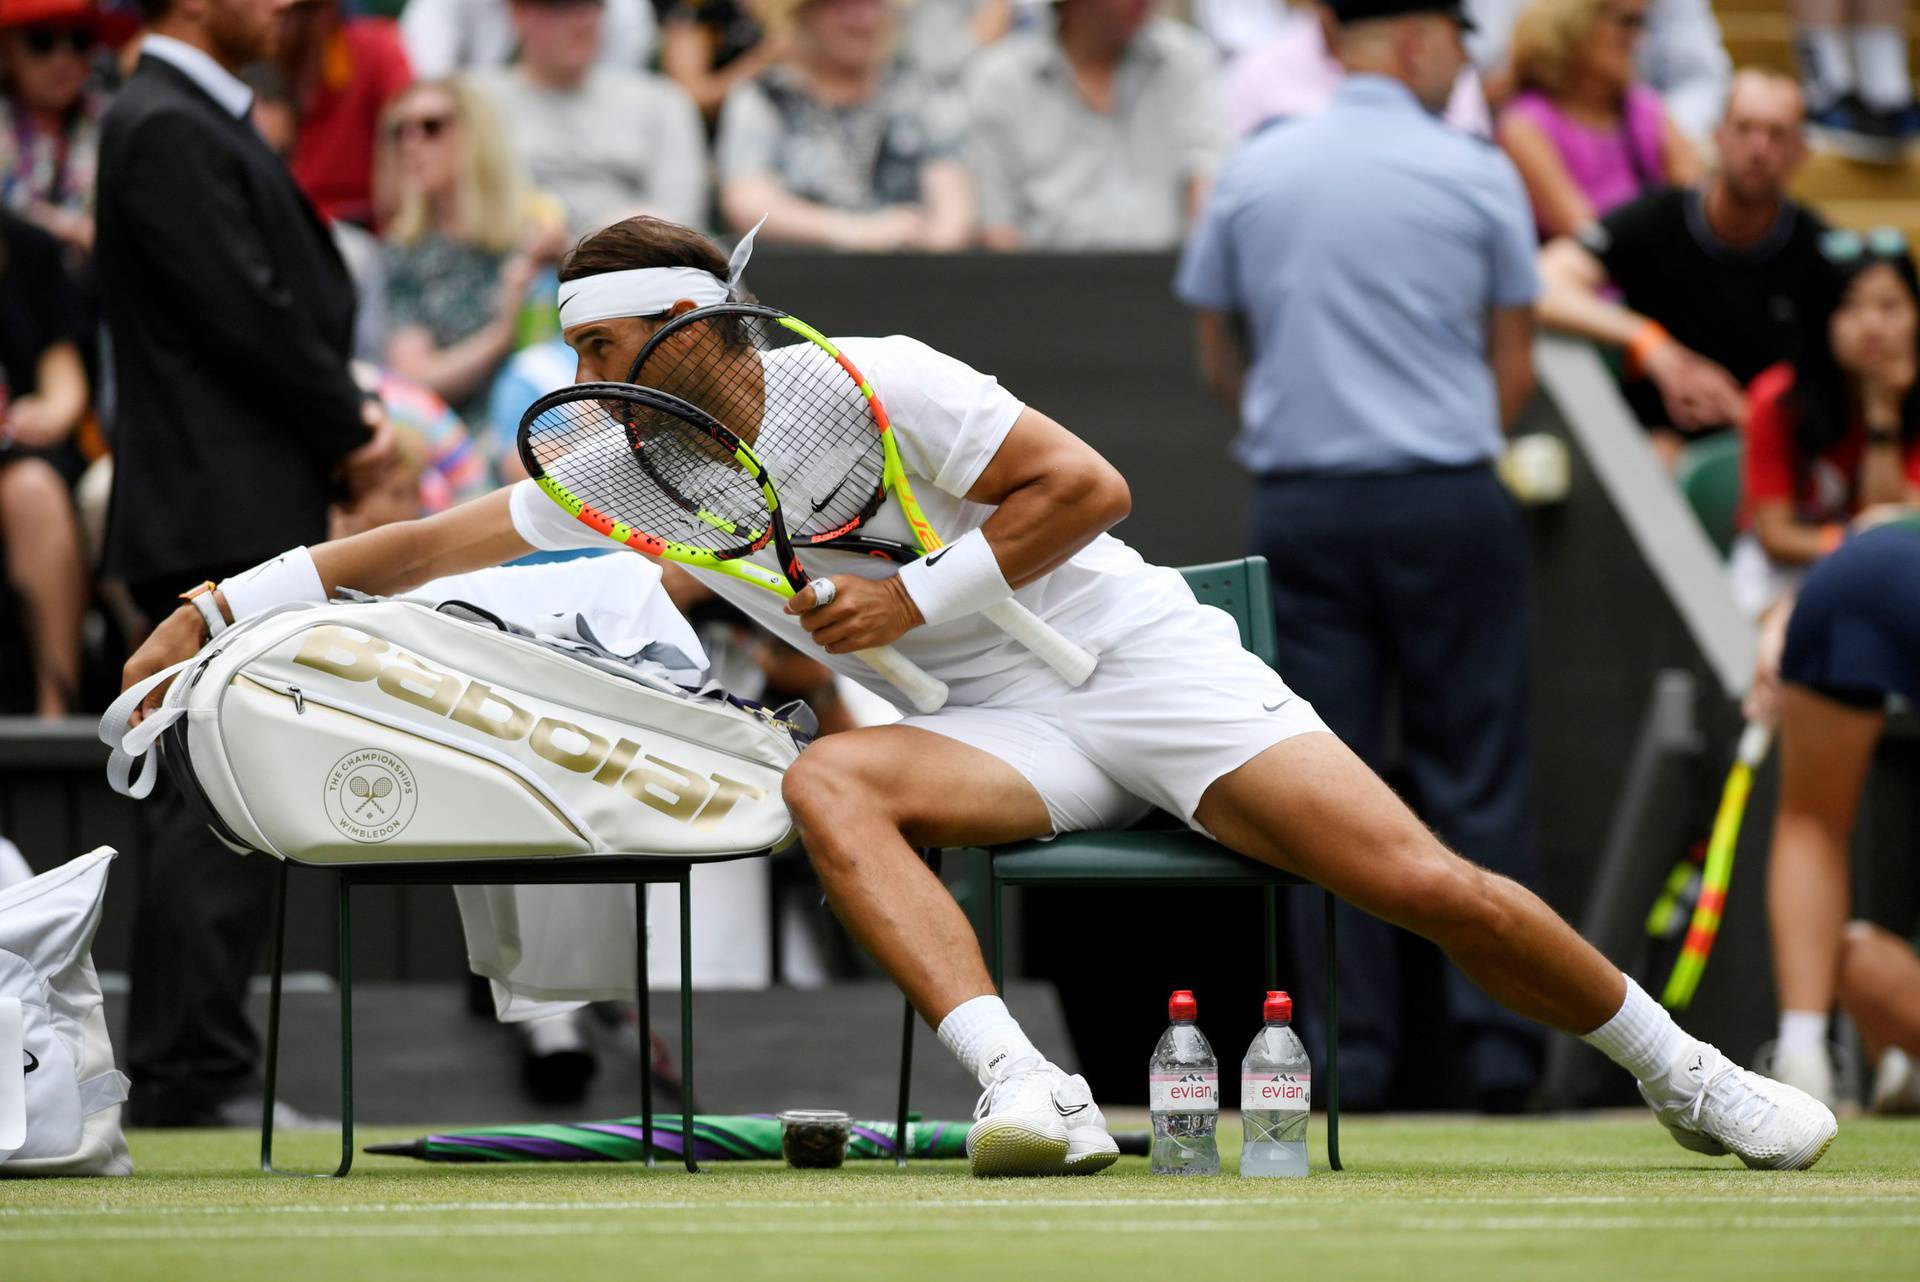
(838,145)
(465,238)
(1585,136)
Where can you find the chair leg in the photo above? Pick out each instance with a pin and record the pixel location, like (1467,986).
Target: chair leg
(273,1014)
(998,962)
(1272,897)
(686,1020)
(1333,1043)
(346,1026)
(906,1087)
(643,999)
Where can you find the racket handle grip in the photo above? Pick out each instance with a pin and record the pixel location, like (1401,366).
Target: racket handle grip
(1754,742)
(1073,663)
(926,693)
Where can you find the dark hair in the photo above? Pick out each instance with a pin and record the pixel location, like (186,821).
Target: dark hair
(642,241)
(154,10)
(1821,405)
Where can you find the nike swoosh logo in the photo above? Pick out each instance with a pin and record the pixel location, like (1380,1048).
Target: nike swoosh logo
(936,556)
(1272,707)
(33,1062)
(1068,1112)
(831,496)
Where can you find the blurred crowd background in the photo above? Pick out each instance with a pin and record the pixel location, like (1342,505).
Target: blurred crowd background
(457,147)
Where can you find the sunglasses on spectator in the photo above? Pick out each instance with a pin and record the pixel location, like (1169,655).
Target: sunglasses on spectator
(42,41)
(428,127)
(1842,245)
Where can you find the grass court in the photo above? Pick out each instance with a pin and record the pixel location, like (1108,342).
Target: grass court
(1600,1197)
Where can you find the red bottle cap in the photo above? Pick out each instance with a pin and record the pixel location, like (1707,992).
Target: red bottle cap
(1278,1009)
(1181,1005)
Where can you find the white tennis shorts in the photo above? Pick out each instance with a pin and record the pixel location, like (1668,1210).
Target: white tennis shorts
(1174,707)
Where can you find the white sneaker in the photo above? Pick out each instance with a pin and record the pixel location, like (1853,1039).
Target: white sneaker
(1039,1121)
(1896,1083)
(1809,1071)
(1713,1106)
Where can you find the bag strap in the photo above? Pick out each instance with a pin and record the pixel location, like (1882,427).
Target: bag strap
(130,743)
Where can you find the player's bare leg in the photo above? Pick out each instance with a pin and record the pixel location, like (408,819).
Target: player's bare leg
(1880,990)
(1309,805)
(1825,749)
(864,801)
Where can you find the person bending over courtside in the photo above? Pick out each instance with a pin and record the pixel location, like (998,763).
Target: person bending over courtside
(1177,715)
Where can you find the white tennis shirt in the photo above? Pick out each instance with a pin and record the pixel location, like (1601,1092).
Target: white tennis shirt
(948,421)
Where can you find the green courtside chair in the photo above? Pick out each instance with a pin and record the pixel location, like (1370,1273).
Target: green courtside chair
(1162,852)
(1709,477)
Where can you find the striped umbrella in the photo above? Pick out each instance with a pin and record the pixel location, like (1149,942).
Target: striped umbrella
(716,1138)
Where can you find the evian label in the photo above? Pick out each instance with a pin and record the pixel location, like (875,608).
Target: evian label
(1273,1092)
(1184,1092)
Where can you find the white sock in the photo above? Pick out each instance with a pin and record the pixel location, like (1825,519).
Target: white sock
(1641,1037)
(1826,73)
(1801,1032)
(1880,67)
(986,1039)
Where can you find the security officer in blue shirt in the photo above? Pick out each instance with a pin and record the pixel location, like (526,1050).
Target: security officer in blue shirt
(1364,285)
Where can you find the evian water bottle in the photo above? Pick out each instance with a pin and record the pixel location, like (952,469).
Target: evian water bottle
(1274,1085)
(1183,1088)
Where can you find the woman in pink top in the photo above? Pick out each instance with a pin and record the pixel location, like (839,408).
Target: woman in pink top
(1583,135)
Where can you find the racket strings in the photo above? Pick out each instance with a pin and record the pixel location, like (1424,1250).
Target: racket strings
(651,469)
(793,403)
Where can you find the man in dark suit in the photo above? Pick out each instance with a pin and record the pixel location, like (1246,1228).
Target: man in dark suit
(232,318)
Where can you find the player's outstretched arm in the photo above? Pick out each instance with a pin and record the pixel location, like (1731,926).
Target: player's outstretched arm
(387,560)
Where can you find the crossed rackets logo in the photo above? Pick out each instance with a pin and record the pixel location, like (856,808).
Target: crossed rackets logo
(371,793)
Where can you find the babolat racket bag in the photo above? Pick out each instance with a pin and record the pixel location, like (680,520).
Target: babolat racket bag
(386,731)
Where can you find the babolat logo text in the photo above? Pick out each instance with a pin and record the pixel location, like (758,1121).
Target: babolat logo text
(685,795)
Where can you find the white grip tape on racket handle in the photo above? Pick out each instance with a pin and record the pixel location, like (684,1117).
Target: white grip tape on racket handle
(1073,663)
(926,693)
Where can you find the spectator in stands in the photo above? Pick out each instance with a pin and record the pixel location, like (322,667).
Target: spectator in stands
(343,72)
(709,46)
(938,38)
(43,398)
(1709,280)
(450,468)
(1293,74)
(528,375)
(233,316)
(608,141)
(1585,137)
(50,114)
(446,37)
(1854,72)
(1096,129)
(465,241)
(1681,55)
(837,145)
(1825,675)
(1380,267)
(1834,436)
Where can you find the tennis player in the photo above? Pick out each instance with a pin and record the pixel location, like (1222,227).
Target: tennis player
(1177,715)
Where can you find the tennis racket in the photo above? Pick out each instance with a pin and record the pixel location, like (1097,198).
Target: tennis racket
(1717,875)
(650,471)
(783,386)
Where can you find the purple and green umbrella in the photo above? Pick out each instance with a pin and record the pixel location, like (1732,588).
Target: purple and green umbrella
(752,1137)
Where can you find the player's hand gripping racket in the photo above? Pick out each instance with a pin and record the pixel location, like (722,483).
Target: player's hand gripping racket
(782,385)
(649,470)
(1718,873)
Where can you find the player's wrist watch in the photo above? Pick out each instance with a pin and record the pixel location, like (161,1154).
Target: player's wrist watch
(202,599)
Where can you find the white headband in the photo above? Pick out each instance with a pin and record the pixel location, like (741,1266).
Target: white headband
(649,291)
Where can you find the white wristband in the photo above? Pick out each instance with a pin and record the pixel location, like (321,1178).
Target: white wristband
(959,579)
(289,577)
